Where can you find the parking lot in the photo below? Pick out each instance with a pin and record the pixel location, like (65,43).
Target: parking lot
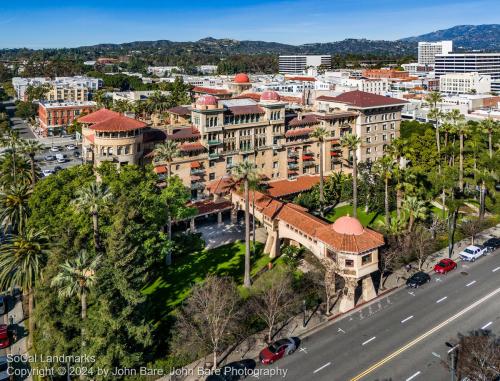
(58,157)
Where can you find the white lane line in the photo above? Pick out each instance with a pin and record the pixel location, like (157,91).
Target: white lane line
(367,341)
(440,300)
(413,376)
(408,318)
(487,325)
(322,367)
(436,355)
(496,269)
(470,284)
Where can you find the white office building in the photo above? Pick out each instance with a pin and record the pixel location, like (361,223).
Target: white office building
(465,83)
(300,64)
(427,51)
(59,86)
(482,63)
(378,86)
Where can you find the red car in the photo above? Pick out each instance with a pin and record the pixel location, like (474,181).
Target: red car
(4,336)
(445,265)
(277,350)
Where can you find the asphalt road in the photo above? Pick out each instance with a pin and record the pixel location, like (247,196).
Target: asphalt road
(402,336)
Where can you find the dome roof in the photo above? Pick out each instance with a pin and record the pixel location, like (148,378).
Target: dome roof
(207,100)
(348,225)
(241,78)
(270,95)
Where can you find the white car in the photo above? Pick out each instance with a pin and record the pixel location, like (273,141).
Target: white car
(71,147)
(471,253)
(47,172)
(54,149)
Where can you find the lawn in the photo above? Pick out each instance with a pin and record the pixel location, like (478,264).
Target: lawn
(170,289)
(367,219)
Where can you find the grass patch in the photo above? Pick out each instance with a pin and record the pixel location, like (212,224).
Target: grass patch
(370,219)
(175,284)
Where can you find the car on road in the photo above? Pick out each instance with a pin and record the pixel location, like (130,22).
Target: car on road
(57,168)
(277,350)
(4,336)
(4,368)
(55,149)
(3,304)
(61,158)
(492,244)
(234,371)
(71,147)
(471,253)
(418,279)
(47,172)
(444,266)
(49,158)
(76,154)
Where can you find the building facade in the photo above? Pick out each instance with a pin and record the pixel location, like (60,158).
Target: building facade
(427,51)
(71,89)
(54,116)
(465,83)
(299,64)
(482,63)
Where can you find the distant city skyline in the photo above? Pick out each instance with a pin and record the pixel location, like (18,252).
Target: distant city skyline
(57,24)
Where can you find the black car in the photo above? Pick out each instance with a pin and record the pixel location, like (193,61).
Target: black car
(418,279)
(76,154)
(492,244)
(57,168)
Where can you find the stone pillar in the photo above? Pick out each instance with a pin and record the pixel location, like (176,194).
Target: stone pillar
(347,301)
(192,226)
(275,250)
(234,215)
(369,292)
(269,244)
(219,219)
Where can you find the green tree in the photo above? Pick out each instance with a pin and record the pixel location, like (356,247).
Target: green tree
(166,152)
(321,134)
(31,148)
(37,93)
(491,127)
(384,167)
(352,142)
(14,207)
(416,210)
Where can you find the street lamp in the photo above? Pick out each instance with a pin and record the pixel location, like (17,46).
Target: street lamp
(452,353)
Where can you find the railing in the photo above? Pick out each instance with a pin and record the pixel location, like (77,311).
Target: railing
(214,142)
(213,156)
(293,154)
(198,171)
(198,186)
(309,164)
(293,166)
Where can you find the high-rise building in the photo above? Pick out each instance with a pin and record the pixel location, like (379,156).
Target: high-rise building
(465,83)
(299,64)
(482,63)
(427,51)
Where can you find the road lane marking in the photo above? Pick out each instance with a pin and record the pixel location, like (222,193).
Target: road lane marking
(439,280)
(440,300)
(367,341)
(496,269)
(436,355)
(303,349)
(413,376)
(411,293)
(424,336)
(340,330)
(408,318)
(470,283)
(322,367)
(487,325)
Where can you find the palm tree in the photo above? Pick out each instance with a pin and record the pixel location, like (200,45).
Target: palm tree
(76,278)
(158,103)
(396,150)
(92,199)
(416,210)
(433,99)
(485,179)
(14,206)
(12,140)
(384,167)
(100,98)
(352,142)
(490,126)
(166,152)
(462,127)
(31,148)
(22,261)
(321,134)
(122,106)
(15,169)
(246,173)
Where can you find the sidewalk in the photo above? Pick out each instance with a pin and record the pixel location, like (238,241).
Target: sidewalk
(315,320)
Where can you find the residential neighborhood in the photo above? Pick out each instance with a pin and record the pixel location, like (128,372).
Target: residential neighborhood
(256,205)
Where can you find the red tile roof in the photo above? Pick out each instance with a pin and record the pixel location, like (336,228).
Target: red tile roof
(350,243)
(280,188)
(304,120)
(98,116)
(363,99)
(160,169)
(191,147)
(90,138)
(185,133)
(180,110)
(221,186)
(300,78)
(195,164)
(244,110)
(209,206)
(118,123)
(298,132)
(210,90)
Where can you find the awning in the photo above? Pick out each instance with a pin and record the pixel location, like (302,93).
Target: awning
(160,169)
(334,153)
(298,132)
(195,164)
(195,178)
(307,157)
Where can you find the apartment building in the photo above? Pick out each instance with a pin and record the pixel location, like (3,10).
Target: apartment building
(377,123)
(465,83)
(369,85)
(482,63)
(299,64)
(70,89)
(427,51)
(55,116)
(385,73)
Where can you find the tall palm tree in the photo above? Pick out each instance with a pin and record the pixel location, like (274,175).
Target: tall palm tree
(76,278)
(14,207)
(462,129)
(385,167)
(246,173)
(31,148)
(352,142)
(158,103)
(321,134)
(490,126)
(396,150)
(11,140)
(15,169)
(93,199)
(22,261)
(416,210)
(433,99)
(100,98)
(485,179)
(122,106)
(166,152)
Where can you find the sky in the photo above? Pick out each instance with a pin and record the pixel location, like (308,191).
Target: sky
(53,24)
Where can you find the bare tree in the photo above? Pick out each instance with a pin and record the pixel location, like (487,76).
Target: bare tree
(390,257)
(209,318)
(420,245)
(478,357)
(471,228)
(273,298)
(331,268)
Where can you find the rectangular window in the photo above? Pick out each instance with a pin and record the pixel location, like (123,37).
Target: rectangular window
(365,259)
(211,176)
(349,263)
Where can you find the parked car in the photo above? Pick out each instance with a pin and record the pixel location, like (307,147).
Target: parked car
(233,371)
(277,350)
(3,304)
(4,367)
(76,154)
(55,149)
(4,336)
(471,253)
(57,168)
(49,158)
(418,279)
(71,147)
(444,266)
(47,172)
(492,244)
(61,158)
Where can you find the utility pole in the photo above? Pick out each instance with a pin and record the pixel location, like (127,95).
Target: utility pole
(453,353)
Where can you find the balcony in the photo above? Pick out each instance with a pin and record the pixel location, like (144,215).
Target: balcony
(293,154)
(308,156)
(247,150)
(197,171)
(308,163)
(197,186)
(277,146)
(213,156)
(214,142)
(293,166)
